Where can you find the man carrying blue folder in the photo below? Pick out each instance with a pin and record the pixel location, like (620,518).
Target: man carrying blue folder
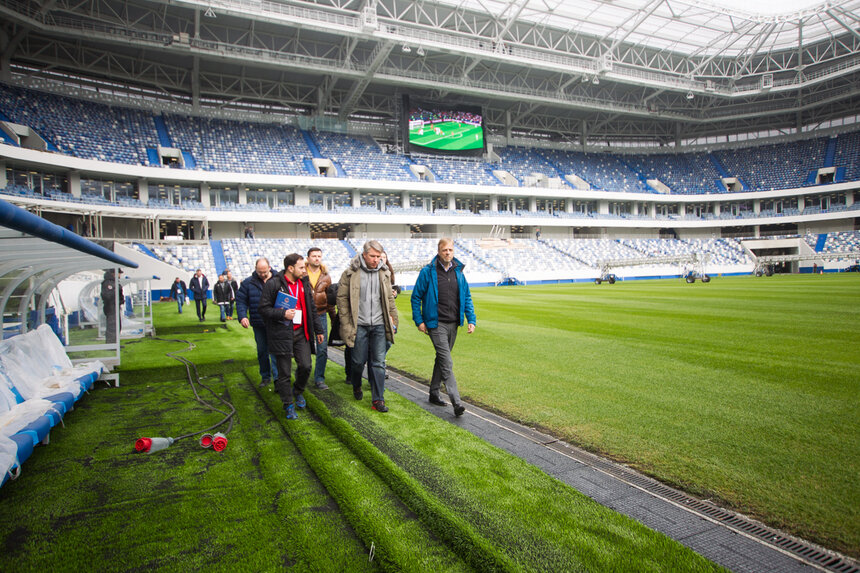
(292,327)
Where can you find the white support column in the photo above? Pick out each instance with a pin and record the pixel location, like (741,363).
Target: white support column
(303,196)
(74,178)
(756,207)
(204,194)
(143,191)
(356,198)
(532,204)
(452,201)
(717,209)
(3,182)
(243,194)
(494,202)
(404,199)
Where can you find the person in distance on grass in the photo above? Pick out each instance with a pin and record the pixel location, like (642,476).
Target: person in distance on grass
(440,301)
(320,280)
(247,306)
(222,293)
(368,318)
(235,288)
(291,332)
(199,286)
(179,292)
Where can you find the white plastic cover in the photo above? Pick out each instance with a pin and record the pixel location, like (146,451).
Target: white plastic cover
(21,415)
(8,455)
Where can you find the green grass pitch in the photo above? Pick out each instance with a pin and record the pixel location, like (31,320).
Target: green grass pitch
(455,136)
(745,390)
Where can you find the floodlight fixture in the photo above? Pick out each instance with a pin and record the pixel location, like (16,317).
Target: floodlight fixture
(209,13)
(406,49)
(690,95)
(595,80)
(420,51)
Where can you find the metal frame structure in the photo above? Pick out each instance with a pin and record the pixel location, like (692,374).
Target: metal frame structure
(654,71)
(35,256)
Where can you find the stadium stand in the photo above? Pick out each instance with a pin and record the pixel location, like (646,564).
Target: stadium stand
(95,131)
(240,147)
(683,172)
(605,172)
(776,166)
(459,171)
(362,158)
(81,128)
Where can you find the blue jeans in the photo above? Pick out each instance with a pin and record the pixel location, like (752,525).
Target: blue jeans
(223,312)
(322,353)
(268,363)
(179,301)
(370,347)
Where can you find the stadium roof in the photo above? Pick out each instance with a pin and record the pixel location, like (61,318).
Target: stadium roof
(570,72)
(694,28)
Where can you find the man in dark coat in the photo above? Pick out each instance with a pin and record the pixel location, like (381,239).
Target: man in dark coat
(199,286)
(291,332)
(222,294)
(111,292)
(235,286)
(178,292)
(247,305)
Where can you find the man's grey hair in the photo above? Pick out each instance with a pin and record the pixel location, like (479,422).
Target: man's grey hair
(372,245)
(257,262)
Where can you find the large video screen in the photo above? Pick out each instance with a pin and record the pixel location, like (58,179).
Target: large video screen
(444,129)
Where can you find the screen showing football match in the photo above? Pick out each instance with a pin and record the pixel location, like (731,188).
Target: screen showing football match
(447,130)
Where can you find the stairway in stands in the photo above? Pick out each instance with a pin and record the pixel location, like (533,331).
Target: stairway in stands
(218,255)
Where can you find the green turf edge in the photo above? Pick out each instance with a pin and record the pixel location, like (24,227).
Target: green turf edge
(399,546)
(457,533)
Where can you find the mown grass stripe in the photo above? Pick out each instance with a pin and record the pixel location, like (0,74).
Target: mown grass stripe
(379,515)
(458,533)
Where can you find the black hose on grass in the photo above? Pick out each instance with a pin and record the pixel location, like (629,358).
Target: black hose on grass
(459,535)
(194,381)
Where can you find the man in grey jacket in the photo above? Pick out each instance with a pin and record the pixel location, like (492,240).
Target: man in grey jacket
(368,318)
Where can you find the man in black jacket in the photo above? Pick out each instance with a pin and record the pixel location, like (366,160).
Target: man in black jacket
(247,305)
(199,285)
(112,298)
(291,332)
(222,294)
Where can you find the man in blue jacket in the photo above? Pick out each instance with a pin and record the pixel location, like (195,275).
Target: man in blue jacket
(247,306)
(440,302)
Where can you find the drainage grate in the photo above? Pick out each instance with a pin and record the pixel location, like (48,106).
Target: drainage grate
(800,549)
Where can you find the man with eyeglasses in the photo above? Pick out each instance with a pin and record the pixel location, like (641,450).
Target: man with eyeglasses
(247,303)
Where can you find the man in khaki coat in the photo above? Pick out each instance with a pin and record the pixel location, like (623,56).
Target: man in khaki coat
(368,318)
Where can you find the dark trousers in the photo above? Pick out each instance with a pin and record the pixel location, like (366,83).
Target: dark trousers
(268,362)
(370,347)
(110,327)
(301,351)
(444,336)
(198,302)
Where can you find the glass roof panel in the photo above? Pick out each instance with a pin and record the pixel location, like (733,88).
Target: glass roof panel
(701,27)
